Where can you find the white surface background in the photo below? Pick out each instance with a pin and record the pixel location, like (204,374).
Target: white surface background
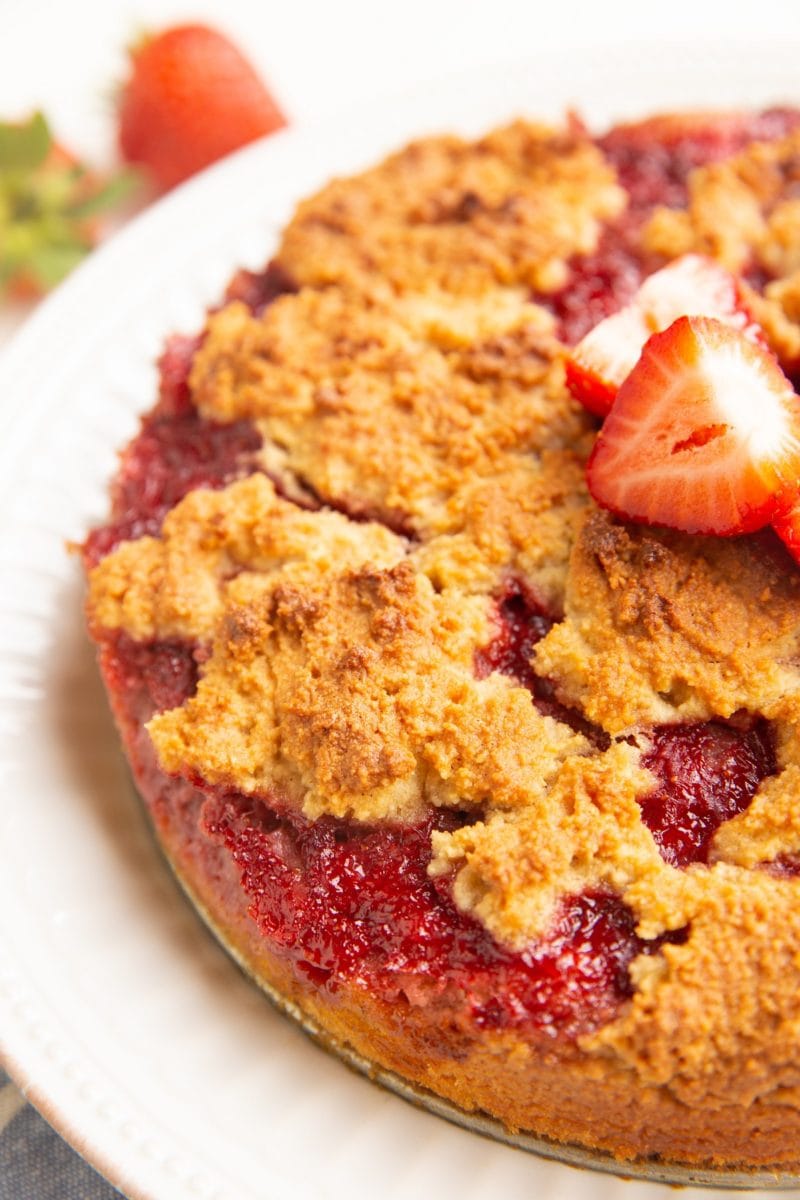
(323,55)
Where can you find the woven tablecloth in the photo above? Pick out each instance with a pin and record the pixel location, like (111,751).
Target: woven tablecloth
(37,1164)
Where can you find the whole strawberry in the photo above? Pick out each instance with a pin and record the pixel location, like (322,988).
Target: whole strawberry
(190,99)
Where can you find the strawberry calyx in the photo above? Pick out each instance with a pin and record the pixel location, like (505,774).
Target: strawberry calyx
(703,436)
(50,205)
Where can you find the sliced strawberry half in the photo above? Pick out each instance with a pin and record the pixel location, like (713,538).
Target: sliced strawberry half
(787,526)
(704,435)
(600,361)
(690,286)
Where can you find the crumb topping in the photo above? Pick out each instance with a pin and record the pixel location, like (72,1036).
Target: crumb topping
(439,416)
(744,212)
(507,210)
(411,384)
(715,1020)
(585,831)
(770,828)
(662,627)
(177,585)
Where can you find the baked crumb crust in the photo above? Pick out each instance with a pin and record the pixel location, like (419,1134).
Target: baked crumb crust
(412,384)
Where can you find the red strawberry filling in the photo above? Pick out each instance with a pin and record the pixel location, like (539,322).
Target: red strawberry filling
(599,283)
(653,160)
(257,289)
(169,457)
(707,774)
(520,622)
(785,866)
(175,451)
(348,901)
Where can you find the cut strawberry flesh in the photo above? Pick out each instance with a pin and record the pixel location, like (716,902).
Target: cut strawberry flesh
(690,286)
(704,435)
(787,526)
(602,360)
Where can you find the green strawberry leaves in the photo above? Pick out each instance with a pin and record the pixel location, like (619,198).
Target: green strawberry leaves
(49,205)
(24,147)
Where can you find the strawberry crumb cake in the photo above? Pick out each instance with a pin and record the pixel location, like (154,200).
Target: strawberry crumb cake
(449,609)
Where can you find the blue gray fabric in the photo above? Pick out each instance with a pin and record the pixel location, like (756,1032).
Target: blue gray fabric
(37,1164)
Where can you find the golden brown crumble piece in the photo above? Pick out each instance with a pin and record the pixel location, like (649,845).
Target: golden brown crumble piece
(715,1020)
(769,828)
(355,695)
(336,672)
(663,627)
(507,210)
(745,212)
(176,585)
(436,415)
(586,831)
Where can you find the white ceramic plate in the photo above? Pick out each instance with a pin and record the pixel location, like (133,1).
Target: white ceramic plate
(119,1015)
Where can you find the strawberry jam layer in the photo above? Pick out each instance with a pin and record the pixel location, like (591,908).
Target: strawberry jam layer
(349,902)
(175,451)
(653,160)
(520,622)
(785,866)
(149,677)
(708,773)
(257,289)
(353,902)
